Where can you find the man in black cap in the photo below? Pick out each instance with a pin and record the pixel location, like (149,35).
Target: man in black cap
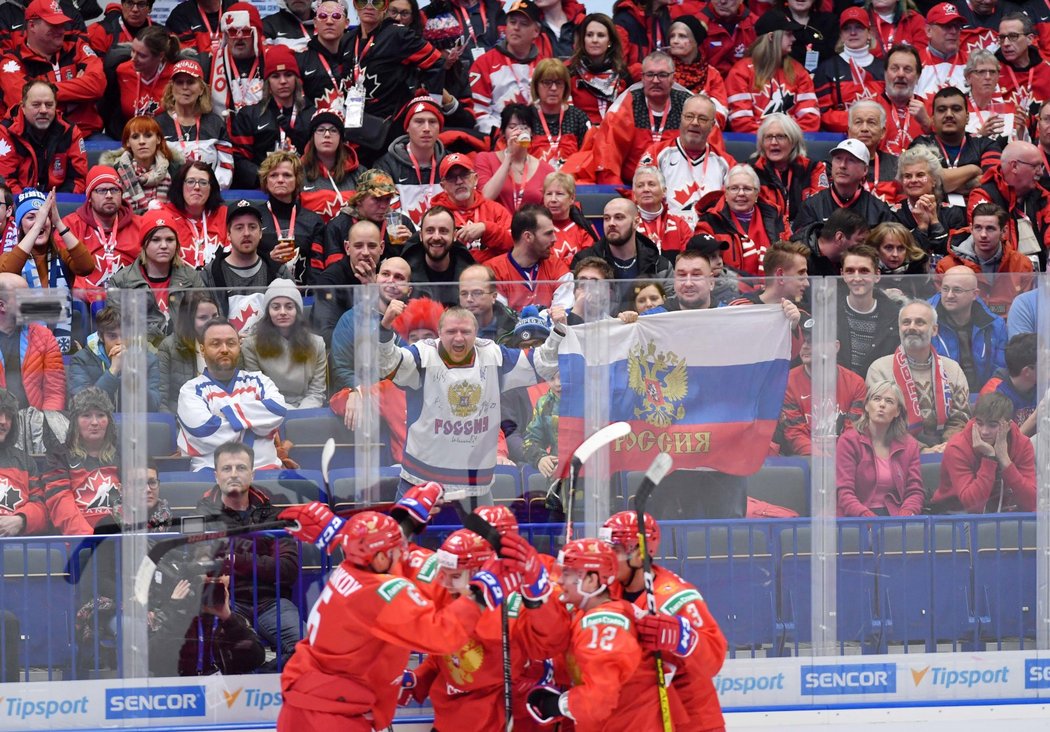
(242,273)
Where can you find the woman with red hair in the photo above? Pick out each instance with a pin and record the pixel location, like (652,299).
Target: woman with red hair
(146,158)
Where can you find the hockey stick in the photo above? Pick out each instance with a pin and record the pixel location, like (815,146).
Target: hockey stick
(327,453)
(588,447)
(660,466)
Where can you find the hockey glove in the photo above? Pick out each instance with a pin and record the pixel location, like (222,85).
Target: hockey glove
(523,558)
(667,633)
(486,588)
(544,704)
(314,523)
(418,503)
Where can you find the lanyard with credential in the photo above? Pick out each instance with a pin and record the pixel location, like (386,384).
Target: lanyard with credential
(659,133)
(419,170)
(554,141)
(277,225)
(359,56)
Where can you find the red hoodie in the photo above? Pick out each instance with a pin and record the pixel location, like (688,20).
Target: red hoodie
(110,250)
(496,239)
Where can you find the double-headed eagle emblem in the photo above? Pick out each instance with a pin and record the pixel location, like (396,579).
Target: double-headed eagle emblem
(660,379)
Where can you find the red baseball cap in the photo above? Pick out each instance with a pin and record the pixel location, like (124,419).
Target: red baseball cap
(455,160)
(188,66)
(945,14)
(48,11)
(855,15)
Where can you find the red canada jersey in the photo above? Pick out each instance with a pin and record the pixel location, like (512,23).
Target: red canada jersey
(20,493)
(693,675)
(358,639)
(81,493)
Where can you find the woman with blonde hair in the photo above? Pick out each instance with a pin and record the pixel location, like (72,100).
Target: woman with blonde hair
(190,126)
(924,210)
(877,468)
(559,127)
(769,80)
(572,231)
(902,262)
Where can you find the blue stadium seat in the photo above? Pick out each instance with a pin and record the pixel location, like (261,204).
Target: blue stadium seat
(506,487)
(160,432)
(735,572)
(784,482)
(289,487)
(38,589)
(1004,580)
(344,484)
(856,616)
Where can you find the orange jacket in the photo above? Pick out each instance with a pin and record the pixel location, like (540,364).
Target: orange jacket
(43,373)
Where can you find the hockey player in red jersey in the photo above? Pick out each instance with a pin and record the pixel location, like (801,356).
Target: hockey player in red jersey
(614,680)
(683,629)
(346,672)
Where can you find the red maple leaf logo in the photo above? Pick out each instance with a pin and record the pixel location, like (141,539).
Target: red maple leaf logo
(682,196)
(243,317)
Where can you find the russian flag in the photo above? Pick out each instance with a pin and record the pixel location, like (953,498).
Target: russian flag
(706,386)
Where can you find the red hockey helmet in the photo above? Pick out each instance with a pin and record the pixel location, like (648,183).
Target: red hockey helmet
(369,533)
(464,549)
(500,517)
(590,555)
(622,529)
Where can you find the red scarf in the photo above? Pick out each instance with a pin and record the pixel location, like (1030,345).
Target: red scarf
(902,375)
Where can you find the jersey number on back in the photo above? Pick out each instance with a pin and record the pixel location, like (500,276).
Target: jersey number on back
(602,637)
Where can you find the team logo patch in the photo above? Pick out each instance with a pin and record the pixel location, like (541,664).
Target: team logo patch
(463,398)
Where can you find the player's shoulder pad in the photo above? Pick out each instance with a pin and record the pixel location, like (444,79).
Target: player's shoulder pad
(606,617)
(680,599)
(389,590)
(429,570)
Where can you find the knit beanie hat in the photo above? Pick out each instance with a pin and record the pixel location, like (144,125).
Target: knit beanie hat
(100,174)
(30,199)
(282,288)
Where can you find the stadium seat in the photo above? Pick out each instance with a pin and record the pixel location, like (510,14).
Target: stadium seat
(37,588)
(1004,579)
(739,145)
(182,491)
(931,475)
(344,487)
(735,572)
(784,483)
(160,432)
(506,486)
(289,487)
(313,427)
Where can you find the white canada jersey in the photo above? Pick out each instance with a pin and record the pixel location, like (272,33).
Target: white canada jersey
(688,180)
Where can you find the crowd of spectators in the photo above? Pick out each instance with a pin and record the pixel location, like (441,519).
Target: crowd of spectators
(261,169)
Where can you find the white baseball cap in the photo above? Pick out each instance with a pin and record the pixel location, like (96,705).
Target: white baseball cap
(856,148)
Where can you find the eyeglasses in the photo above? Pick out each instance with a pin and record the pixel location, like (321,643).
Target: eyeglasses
(776,137)
(198,182)
(741,189)
(1035,166)
(395,13)
(985,72)
(136,4)
(1012,37)
(107,191)
(5,203)
(456,177)
(690,118)
(657,75)
(153,483)
(550,83)
(473,294)
(334,16)
(956,290)
(326,130)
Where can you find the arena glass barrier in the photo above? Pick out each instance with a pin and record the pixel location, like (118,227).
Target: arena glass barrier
(793,596)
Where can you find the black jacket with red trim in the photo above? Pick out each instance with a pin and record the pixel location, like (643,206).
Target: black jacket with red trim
(255,133)
(52,159)
(308,234)
(111,30)
(318,84)
(744,253)
(395,61)
(189,25)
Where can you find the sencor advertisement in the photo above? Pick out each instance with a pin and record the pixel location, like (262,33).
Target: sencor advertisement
(849,678)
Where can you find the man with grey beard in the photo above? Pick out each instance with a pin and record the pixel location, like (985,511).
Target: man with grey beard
(936,394)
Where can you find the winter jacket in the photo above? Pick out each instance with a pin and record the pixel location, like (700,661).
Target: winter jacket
(286,29)
(987,340)
(901,126)
(887,332)
(127,244)
(498,79)
(460,258)
(908,29)
(186,22)
(21,493)
(110,31)
(319,81)
(158,323)
(333,245)
(416,187)
(321,196)
(805,179)
(176,366)
(651,266)
(254,563)
(641,32)
(257,130)
(818,208)
(856,475)
(308,235)
(54,159)
(199,241)
(593,89)
(940,234)
(795,426)
(395,60)
(626,134)
(795,97)
(43,372)
(1034,207)
(723,48)
(838,85)
(1025,402)
(136,98)
(75,70)
(1013,275)
(90,367)
(82,493)
(746,249)
(972,483)
(1029,84)
(496,239)
(541,434)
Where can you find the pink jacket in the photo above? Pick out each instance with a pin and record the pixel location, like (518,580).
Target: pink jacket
(855,476)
